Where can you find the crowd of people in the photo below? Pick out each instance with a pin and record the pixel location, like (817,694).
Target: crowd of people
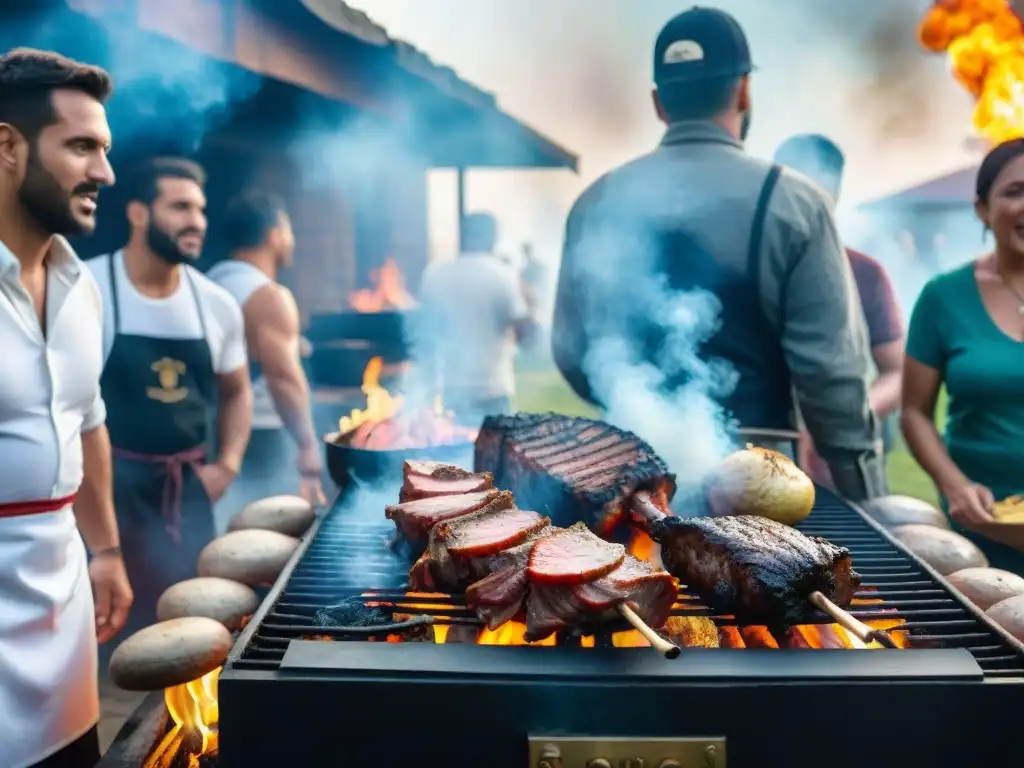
(112,477)
(812,330)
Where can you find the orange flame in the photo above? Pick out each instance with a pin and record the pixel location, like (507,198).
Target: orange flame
(985,43)
(194,709)
(384,425)
(388,294)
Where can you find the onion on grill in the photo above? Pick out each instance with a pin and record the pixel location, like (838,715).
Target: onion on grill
(758,481)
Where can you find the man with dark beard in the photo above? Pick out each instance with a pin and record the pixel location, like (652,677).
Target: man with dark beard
(261,241)
(773,306)
(55,470)
(174,345)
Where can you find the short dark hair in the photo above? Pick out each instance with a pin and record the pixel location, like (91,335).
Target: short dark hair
(28,78)
(479,232)
(143,181)
(250,217)
(699,99)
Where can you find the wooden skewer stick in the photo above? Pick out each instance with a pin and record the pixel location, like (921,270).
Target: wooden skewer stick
(855,627)
(667,649)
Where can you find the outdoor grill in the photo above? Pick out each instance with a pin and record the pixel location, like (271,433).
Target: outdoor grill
(950,696)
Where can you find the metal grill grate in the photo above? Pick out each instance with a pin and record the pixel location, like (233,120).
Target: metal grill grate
(346,556)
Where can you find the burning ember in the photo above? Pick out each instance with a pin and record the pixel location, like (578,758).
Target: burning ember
(387,295)
(193,708)
(384,425)
(985,43)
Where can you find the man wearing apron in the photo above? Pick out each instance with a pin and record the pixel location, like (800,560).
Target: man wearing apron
(260,238)
(175,351)
(56,453)
(699,217)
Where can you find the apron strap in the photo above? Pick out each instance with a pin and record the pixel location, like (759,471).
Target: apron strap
(35,507)
(195,298)
(113,291)
(174,485)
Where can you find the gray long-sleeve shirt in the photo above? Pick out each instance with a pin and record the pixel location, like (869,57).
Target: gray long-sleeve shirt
(701,178)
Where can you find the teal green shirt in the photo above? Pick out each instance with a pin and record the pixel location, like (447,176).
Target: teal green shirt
(983,370)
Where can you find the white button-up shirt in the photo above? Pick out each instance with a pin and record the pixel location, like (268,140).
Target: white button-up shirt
(49,388)
(49,395)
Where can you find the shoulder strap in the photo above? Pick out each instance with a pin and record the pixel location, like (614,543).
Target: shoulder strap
(757,230)
(113,292)
(195,297)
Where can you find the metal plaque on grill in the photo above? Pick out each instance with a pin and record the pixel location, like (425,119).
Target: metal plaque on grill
(588,752)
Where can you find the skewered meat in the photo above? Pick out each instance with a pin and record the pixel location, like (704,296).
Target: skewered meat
(501,590)
(649,592)
(425,479)
(414,519)
(573,556)
(571,469)
(455,544)
(754,568)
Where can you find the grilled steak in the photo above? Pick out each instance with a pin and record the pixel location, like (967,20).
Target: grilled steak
(414,519)
(425,479)
(571,469)
(455,545)
(753,568)
(650,592)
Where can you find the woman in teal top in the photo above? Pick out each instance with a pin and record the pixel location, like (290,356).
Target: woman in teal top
(967,332)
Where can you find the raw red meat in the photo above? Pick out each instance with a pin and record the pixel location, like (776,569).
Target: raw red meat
(573,556)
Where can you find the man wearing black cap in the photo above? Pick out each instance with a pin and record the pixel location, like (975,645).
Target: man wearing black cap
(698,213)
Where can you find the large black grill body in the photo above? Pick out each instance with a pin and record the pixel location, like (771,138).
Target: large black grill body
(953,698)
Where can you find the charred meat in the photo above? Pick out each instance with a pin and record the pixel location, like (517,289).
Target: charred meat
(571,469)
(426,479)
(753,568)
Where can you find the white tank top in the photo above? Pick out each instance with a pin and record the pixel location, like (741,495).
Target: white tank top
(241,280)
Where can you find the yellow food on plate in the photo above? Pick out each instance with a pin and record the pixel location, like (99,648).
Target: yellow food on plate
(1010,510)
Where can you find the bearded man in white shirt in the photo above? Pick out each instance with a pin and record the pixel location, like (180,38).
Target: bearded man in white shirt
(56,467)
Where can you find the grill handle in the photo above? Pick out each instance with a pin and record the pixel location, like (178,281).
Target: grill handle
(855,627)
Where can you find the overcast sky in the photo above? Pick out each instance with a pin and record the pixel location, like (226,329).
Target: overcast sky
(579,72)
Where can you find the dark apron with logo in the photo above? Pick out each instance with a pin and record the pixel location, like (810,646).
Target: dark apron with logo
(159,393)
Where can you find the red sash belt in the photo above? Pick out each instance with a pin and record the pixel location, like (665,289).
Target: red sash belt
(170,506)
(37,507)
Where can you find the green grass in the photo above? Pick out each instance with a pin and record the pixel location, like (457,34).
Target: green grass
(541,388)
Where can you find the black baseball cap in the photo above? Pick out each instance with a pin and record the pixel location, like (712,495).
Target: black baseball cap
(699,44)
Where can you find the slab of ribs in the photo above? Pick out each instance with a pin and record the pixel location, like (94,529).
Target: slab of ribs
(570,469)
(512,562)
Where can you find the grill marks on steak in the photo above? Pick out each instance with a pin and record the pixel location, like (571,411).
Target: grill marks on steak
(573,469)
(414,519)
(754,568)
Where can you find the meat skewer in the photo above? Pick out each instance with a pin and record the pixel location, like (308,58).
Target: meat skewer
(503,558)
(757,569)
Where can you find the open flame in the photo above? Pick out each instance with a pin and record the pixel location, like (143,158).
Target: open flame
(388,293)
(385,424)
(985,43)
(686,631)
(194,709)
